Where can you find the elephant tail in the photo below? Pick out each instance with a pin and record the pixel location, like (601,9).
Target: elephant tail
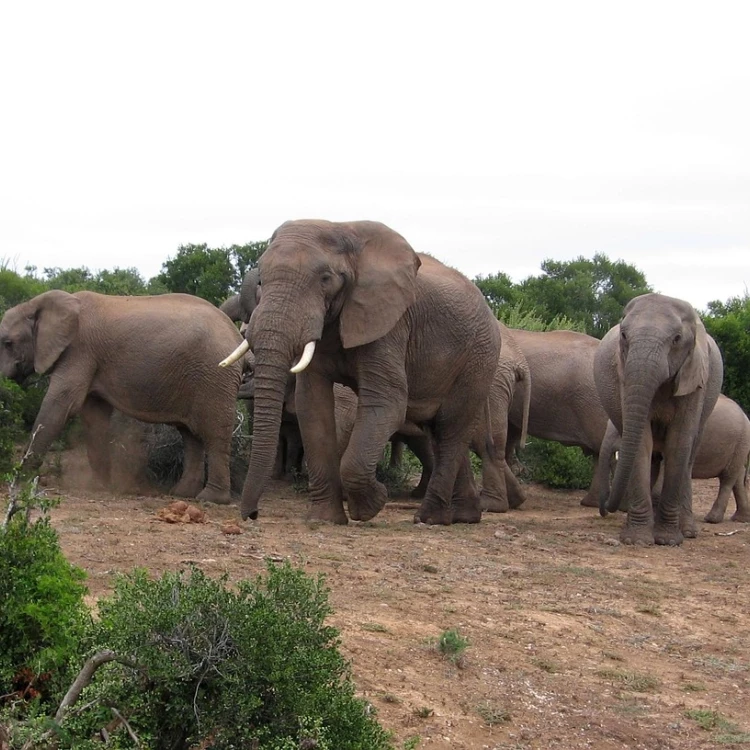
(489,443)
(523,378)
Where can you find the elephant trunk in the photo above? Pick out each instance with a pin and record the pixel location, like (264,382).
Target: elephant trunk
(269,384)
(642,378)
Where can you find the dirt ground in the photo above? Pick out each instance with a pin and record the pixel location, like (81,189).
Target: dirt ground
(575,641)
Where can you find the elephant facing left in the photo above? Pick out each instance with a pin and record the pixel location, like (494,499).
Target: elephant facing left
(152,358)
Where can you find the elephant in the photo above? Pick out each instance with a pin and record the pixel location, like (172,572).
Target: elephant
(352,302)
(658,375)
(152,358)
(239,307)
(723,452)
(564,404)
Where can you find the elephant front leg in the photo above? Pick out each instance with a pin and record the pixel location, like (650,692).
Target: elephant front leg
(718,509)
(317,424)
(639,525)
(421,447)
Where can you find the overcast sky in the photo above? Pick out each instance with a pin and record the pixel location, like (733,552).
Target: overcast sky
(491,134)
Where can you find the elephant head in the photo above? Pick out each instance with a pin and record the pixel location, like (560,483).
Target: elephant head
(34,334)
(351,281)
(660,351)
(239,307)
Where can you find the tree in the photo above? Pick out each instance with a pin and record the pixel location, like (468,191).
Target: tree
(15,288)
(729,324)
(246,258)
(592,292)
(499,290)
(202,271)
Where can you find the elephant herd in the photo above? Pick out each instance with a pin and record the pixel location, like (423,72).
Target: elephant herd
(350,339)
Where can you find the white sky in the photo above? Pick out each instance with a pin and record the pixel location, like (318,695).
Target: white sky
(491,134)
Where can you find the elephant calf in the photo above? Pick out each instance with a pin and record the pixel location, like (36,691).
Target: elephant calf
(152,358)
(723,452)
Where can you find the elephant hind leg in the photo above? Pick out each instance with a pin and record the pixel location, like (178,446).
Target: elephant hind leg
(718,509)
(742,514)
(191,480)
(96,415)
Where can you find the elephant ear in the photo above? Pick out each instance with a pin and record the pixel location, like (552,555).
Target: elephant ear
(55,327)
(231,307)
(694,371)
(386,273)
(250,293)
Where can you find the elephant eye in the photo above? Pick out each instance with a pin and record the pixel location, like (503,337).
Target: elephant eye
(8,344)
(623,336)
(326,277)
(677,339)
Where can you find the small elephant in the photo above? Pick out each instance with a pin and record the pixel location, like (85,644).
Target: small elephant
(658,375)
(354,303)
(152,358)
(724,452)
(564,404)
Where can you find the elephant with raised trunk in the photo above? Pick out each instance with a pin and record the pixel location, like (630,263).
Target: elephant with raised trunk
(658,374)
(354,303)
(724,452)
(152,358)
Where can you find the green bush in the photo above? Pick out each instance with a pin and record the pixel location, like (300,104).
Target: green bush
(556,465)
(251,667)
(42,613)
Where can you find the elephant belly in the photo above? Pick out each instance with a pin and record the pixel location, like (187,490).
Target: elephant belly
(421,411)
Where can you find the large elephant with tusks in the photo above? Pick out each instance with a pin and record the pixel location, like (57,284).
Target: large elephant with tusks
(354,303)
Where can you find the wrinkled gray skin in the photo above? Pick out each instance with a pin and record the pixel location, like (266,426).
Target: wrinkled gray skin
(152,358)
(239,307)
(500,487)
(414,339)
(658,375)
(564,405)
(723,452)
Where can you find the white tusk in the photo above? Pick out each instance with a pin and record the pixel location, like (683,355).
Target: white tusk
(243,328)
(306,358)
(235,355)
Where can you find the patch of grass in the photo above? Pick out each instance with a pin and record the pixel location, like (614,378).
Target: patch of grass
(411,743)
(628,680)
(452,644)
(694,687)
(391,698)
(709,720)
(613,656)
(649,609)
(546,665)
(429,568)
(423,712)
(492,714)
(374,627)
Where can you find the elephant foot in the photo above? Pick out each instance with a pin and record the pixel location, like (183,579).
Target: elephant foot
(434,513)
(364,506)
(186,489)
(327,512)
(590,501)
(516,499)
(493,504)
(688,528)
(212,495)
(741,516)
(418,492)
(640,535)
(668,535)
(714,516)
(466,514)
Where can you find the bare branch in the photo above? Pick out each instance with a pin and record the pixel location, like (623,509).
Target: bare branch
(85,676)
(127,726)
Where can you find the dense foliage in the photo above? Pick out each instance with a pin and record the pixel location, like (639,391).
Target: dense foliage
(189,661)
(729,324)
(42,614)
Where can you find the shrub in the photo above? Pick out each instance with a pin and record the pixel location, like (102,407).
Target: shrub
(42,612)
(252,667)
(556,465)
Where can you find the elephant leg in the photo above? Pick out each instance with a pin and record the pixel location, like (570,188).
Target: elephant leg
(742,514)
(317,424)
(96,415)
(639,525)
(280,462)
(421,447)
(674,515)
(397,453)
(602,466)
(191,481)
(294,453)
(494,494)
(465,499)
(373,427)
(451,436)
(719,508)
(516,495)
